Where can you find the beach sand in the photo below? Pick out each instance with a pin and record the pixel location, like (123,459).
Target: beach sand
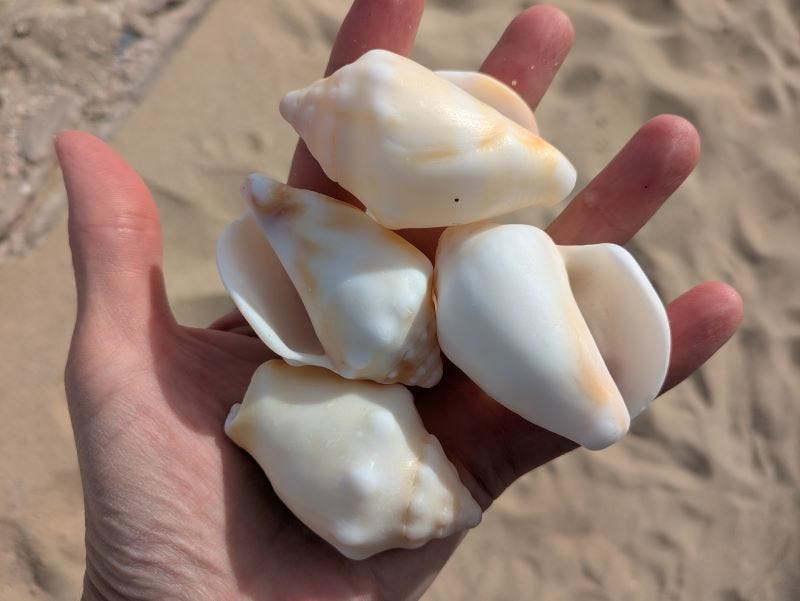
(700,501)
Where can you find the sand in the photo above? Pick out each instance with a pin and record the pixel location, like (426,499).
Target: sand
(701,501)
(70,64)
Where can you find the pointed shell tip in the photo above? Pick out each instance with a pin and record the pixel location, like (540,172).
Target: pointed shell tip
(567,175)
(232,417)
(258,189)
(288,105)
(608,429)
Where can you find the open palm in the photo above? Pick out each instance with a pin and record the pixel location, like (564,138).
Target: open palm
(173,508)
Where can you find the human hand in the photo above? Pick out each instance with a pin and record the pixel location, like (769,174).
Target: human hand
(173,508)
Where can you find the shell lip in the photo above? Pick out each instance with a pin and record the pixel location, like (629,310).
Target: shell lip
(230,248)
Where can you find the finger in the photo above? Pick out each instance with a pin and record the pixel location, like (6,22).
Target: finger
(114,234)
(624,195)
(229,322)
(388,24)
(530,51)
(235,323)
(701,321)
(245,347)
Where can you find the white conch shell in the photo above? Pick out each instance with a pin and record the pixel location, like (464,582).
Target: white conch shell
(507,316)
(367,292)
(419,151)
(351,459)
(496,94)
(625,316)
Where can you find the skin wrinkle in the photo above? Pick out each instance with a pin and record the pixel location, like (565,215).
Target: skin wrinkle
(123,427)
(256,352)
(95,583)
(479,489)
(104,431)
(119,579)
(191,357)
(136,553)
(102,322)
(503,465)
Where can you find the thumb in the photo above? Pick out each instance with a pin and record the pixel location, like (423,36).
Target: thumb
(115,237)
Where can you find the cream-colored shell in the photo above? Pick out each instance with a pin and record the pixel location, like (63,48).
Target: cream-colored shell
(366,291)
(496,94)
(418,150)
(509,318)
(627,320)
(351,459)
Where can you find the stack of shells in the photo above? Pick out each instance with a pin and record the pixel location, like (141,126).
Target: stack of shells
(574,339)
